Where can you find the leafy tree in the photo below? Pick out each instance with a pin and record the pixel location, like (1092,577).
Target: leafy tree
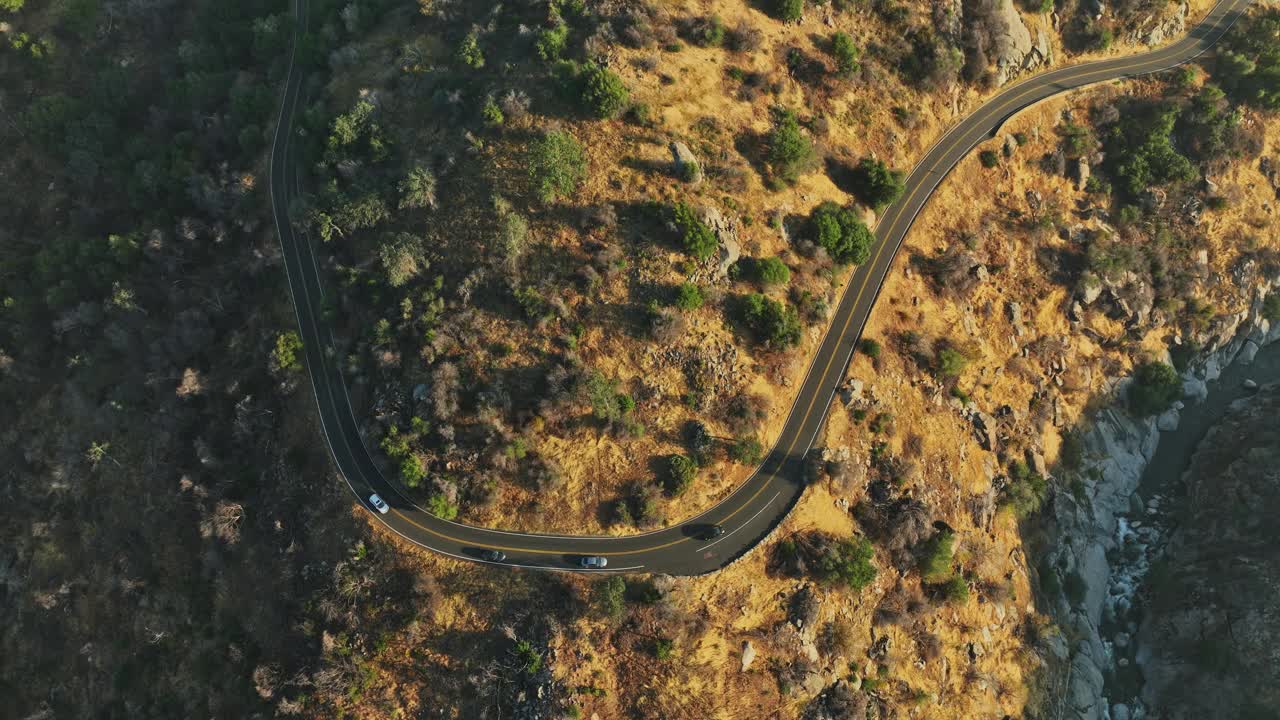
(1141,149)
(610,596)
(698,239)
(956,590)
(746,450)
(11,5)
(1025,492)
(688,297)
(849,562)
(440,506)
(772,271)
(841,233)
(789,151)
(845,53)
(513,234)
(557,165)
(469,52)
(788,10)
(681,470)
(411,471)
(418,189)
(285,357)
(603,92)
(935,560)
(401,257)
(1251,67)
(989,158)
(1155,387)
(951,362)
(607,404)
(491,113)
(876,185)
(774,323)
(551,42)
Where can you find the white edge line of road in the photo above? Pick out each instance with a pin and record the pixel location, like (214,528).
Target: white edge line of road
(748,522)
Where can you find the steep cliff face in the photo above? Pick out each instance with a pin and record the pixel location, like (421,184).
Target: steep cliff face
(1210,643)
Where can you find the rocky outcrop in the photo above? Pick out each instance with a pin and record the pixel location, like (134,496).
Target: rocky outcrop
(1208,644)
(1108,536)
(1163,27)
(726,231)
(686,163)
(1018,53)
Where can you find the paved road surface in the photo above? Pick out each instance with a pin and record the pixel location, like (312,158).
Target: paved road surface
(754,508)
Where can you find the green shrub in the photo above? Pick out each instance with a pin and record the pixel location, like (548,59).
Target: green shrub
(1024,495)
(411,471)
(688,297)
(951,362)
(845,53)
(491,113)
(285,356)
(788,10)
(774,323)
(469,52)
(870,348)
(709,32)
(440,506)
(1271,307)
(664,648)
(681,470)
(935,558)
(551,42)
(772,271)
(956,590)
(1250,68)
(841,233)
(1155,387)
(609,596)
(850,563)
(746,450)
(876,185)
(603,92)
(698,239)
(607,404)
(789,151)
(989,158)
(1140,148)
(557,165)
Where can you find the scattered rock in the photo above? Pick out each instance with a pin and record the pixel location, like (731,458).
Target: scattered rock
(748,654)
(686,163)
(1082,173)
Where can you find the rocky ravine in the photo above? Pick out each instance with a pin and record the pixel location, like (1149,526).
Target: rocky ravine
(1209,645)
(1105,536)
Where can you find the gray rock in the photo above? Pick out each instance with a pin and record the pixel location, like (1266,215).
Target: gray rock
(686,163)
(1247,353)
(1250,384)
(1082,173)
(748,654)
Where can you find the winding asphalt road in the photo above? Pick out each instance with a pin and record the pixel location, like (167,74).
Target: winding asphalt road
(760,503)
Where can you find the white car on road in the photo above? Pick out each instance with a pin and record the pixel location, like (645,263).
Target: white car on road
(379,504)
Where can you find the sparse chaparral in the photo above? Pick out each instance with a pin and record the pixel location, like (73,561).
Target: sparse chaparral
(561,267)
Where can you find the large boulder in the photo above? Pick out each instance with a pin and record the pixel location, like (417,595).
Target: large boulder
(1018,52)
(686,163)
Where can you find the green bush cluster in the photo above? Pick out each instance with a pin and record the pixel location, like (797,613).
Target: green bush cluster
(840,232)
(286,355)
(746,450)
(935,557)
(557,165)
(1141,149)
(788,149)
(681,471)
(688,297)
(698,239)
(876,184)
(850,563)
(1155,387)
(846,54)
(788,10)
(772,271)
(603,92)
(774,323)
(1025,491)
(1250,68)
